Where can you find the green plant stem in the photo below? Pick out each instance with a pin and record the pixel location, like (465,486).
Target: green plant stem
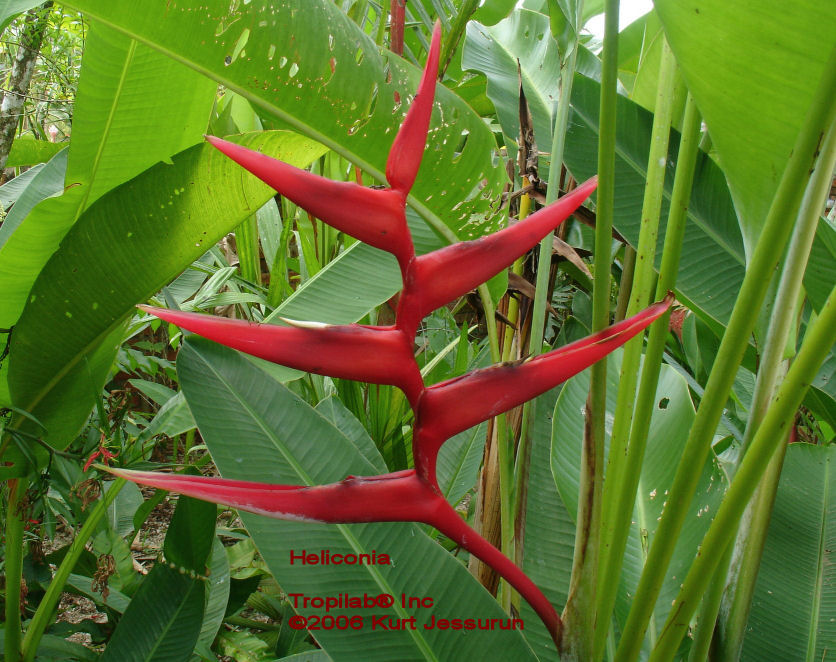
(640,293)
(732,347)
(752,535)
(579,614)
(468,7)
(623,491)
(544,252)
(14,568)
(49,602)
(246,242)
(820,337)
(628,268)
(710,605)
(385,9)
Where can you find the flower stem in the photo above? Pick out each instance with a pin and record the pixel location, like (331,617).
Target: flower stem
(752,535)
(771,434)
(14,568)
(622,492)
(579,614)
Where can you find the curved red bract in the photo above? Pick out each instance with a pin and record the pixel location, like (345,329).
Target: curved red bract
(384,355)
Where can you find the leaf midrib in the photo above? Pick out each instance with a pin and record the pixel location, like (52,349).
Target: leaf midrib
(306,129)
(420,641)
(193,585)
(812,637)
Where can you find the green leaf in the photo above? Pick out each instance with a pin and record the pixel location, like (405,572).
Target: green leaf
(46,182)
(494,51)
(359,279)
(712,265)
(493,11)
(793,612)
(54,649)
(671,420)
(115,600)
(120,513)
(342,419)
(217,593)
(13,189)
(820,275)
(190,535)
(28,152)
(91,285)
(458,463)
(258,430)
(122,84)
(9,8)
(162,622)
(165,616)
(307,64)
(172,419)
(307,656)
(753,71)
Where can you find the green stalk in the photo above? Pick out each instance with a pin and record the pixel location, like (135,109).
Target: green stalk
(623,491)
(385,9)
(43,615)
(643,281)
(468,7)
(579,614)
(544,254)
(14,568)
(246,241)
(707,618)
(732,347)
(820,337)
(628,268)
(752,535)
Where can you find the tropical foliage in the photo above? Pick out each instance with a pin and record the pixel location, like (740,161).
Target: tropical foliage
(674,501)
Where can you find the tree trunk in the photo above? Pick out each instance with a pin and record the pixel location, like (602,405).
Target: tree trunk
(23,67)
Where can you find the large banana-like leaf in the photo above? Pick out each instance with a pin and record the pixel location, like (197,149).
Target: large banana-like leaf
(753,69)
(524,38)
(258,430)
(306,63)
(793,613)
(127,245)
(134,107)
(670,423)
(164,618)
(712,264)
(712,259)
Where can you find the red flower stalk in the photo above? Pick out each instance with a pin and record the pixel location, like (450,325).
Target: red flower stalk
(384,355)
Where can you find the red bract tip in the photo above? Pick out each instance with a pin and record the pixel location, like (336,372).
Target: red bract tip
(408,147)
(437,278)
(363,353)
(396,497)
(375,217)
(458,404)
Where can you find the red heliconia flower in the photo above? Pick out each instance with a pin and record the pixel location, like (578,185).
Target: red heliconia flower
(384,355)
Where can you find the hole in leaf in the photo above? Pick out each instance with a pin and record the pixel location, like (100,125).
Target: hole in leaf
(663,403)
